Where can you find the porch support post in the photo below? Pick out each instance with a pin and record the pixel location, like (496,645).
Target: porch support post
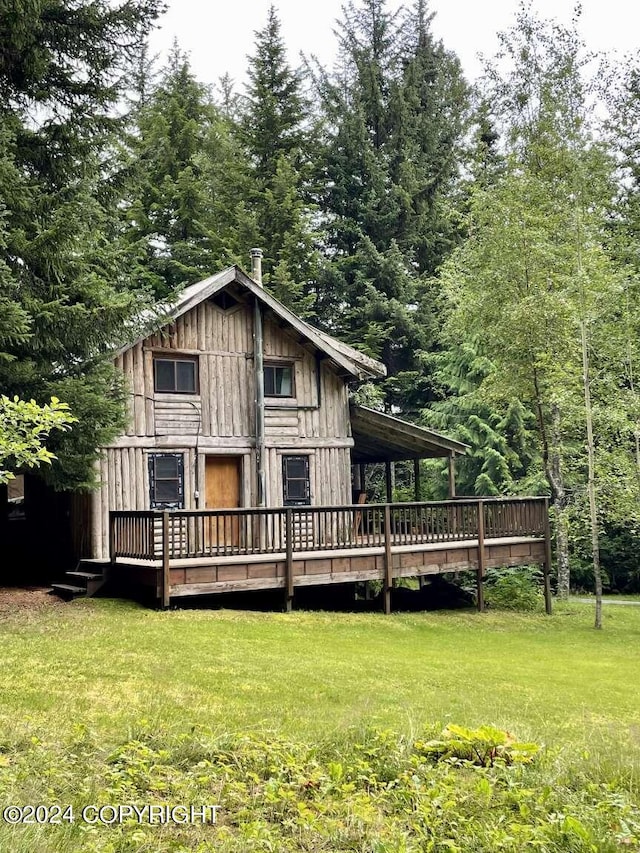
(546,568)
(452,476)
(357,479)
(481,560)
(387,480)
(95,544)
(387,582)
(288,598)
(112,538)
(416,481)
(166,565)
(363,476)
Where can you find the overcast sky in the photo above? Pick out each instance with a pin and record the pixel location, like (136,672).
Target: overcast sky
(219,36)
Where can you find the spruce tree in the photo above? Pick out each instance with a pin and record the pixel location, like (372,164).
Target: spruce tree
(167,216)
(63,279)
(504,455)
(276,136)
(395,115)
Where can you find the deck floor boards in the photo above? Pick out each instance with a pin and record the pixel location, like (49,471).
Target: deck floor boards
(241,559)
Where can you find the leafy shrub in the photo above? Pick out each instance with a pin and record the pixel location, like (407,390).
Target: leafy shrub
(371,791)
(484,746)
(514,588)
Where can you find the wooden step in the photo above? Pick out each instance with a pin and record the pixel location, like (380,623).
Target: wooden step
(88,576)
(67,590)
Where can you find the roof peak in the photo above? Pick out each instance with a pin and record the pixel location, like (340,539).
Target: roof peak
(348,358)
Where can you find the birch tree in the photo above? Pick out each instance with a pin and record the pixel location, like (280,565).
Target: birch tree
(534,282)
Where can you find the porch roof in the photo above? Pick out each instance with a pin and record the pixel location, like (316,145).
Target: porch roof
(379,437)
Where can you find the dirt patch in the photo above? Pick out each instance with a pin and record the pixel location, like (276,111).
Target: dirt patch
(30,598)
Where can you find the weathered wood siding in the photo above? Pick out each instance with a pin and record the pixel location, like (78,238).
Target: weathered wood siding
(221,417)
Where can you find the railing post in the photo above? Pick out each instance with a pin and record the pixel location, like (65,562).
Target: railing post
(166,565)
(546,569)
(388,564)
(452,476)
(288,525)
(112,538)
(481,556)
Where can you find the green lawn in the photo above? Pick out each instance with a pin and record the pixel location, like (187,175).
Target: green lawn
(83,681)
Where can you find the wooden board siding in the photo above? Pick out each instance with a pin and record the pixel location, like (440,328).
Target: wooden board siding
(224,407)
(220,419)
(177,414)
(124,475)
(80,510)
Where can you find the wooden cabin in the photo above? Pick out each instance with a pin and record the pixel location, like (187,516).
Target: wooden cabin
(242,456)
(234,402)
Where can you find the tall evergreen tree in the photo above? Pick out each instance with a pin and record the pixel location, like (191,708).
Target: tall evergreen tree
(62,277)
(186,212)
(395,114)
(168,215)
(275,132)
(504,456)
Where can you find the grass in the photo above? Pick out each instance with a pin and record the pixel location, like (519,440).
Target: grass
(98,676)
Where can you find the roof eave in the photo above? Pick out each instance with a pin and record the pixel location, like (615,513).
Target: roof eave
(380,427)
(355,365)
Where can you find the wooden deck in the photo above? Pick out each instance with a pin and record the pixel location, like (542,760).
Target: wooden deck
(184,553)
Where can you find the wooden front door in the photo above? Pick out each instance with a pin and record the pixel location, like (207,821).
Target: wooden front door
(222,491)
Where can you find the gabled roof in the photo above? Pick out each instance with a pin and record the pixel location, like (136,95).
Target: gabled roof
(379,437)
(348,359)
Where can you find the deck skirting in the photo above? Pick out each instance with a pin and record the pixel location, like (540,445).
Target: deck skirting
(235,573)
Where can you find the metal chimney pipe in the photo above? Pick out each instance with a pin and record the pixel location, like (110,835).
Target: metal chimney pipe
(258,363)
(256,266)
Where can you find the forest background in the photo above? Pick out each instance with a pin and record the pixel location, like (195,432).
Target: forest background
(482,240)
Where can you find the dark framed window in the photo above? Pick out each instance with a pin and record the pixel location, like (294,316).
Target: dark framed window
(166,480)
(295,480)
(278,380)
(175,375)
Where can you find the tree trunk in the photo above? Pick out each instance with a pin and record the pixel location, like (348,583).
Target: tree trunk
(559,504)
(562,547)
(591,480)
(552,461)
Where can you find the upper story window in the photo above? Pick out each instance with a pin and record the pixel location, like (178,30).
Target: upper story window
(278,380)
(175,375)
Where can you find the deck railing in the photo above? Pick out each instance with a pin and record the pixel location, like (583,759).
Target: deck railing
(213,533)
(133,534)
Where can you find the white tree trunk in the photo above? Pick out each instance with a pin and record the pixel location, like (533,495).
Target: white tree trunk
(591,476)
(553,470)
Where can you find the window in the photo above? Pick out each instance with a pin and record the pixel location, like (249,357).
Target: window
(295,480)
(15,496)
(278,380)
(175,375)
(166,480)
